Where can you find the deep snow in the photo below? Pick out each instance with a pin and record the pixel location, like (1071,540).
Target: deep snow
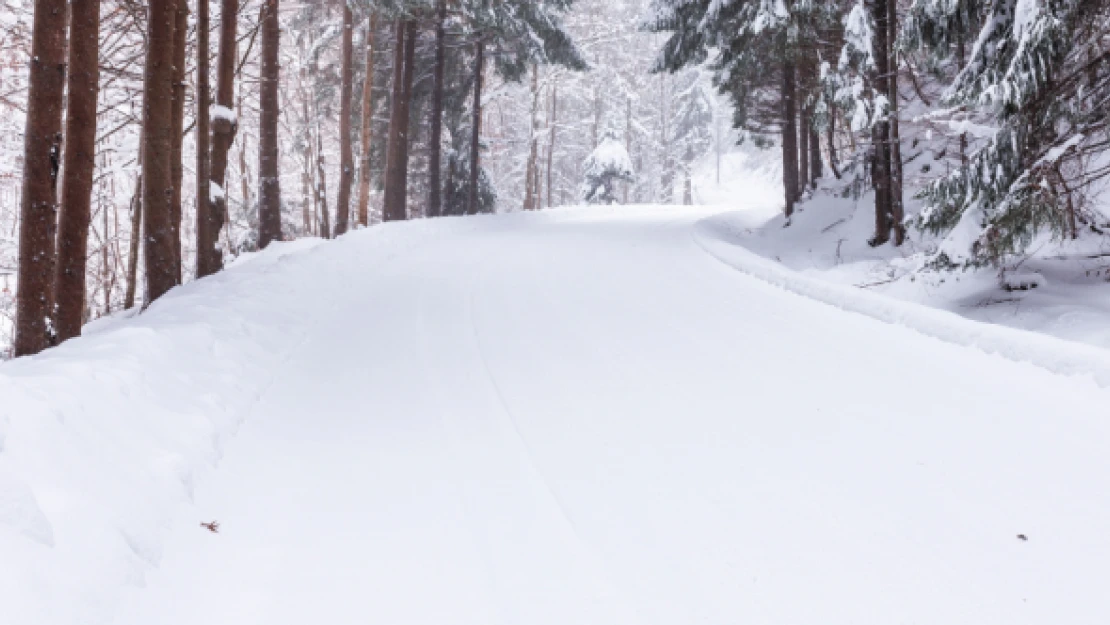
(577,416)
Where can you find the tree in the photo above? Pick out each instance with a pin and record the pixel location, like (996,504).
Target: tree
(396,178)
(79,165)
(347,159)
(205,262)
(158,249)
(269,195)
(606,165)
(38,211)
(225,124)
(435,143)
(366,147)
(177,166)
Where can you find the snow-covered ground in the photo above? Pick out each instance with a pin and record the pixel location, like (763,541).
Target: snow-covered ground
(578,416)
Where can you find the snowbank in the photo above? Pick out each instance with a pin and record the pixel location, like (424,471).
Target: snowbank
(721,237)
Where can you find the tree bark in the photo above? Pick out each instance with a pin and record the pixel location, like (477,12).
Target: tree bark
(789,137)
(476,127)
(367,125)
(177,165)
(803,151)
(322,184)
(80,163)
(41,160)
(136,236)
(880,132)
(815,165)
(205,242)
(435,157)
(393,201)
(158,249)
(551,141)
(224,127)
(269,193)
(346,151)
(897,200)
(530,186)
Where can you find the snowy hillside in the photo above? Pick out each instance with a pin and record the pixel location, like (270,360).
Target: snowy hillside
(578,416)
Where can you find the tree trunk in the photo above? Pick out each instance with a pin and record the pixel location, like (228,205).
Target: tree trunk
(667,179)
(435,143)
(80,154)
(346,151)
(322,184)
(551,142)
(789,138)
(158,237)
(206,244)
(897,200)
(393,208)
(476,127)
(815,165)
(803,151)
(177,165)
(830,138)
(880,133)
(530,186)
(269,193)
(367,125)
(224,126)
(38,210)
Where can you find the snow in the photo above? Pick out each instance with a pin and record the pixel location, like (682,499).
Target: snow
(574,416)
(221,112)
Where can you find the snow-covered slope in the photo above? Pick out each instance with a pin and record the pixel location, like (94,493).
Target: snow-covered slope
(578,416)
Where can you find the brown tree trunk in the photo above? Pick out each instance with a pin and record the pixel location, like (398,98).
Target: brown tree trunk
(136,236)
(269,187)
(551,141)
(367,125)
(346,151)
(158,237)
(530,190)
(789,137)
(322,185)
(177,165)
(815,165)
(803,151)
(224,126)
(880,133)
(476,127)
(394,200)
(435,157)
(205,243)
(80,153)
(897,200)
(830,138)
(41,160)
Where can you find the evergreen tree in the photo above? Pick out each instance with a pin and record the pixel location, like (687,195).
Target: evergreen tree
(607,165)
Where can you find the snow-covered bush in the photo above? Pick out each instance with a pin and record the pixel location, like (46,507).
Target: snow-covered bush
(607,165)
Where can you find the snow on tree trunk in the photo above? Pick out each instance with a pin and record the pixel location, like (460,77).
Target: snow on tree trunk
(603,168)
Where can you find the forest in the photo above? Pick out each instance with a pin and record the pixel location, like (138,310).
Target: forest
(972,127)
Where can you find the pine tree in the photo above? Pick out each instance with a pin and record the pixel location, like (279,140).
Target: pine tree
(606,165)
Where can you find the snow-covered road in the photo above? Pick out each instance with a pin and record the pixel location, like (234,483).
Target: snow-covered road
(583,417)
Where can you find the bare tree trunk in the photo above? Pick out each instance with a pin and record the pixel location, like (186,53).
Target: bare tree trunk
(551,142)
(367,125)
(667,181)
(136,236)
(346,152)
(897,200)
(530,186)
(789,137)
(158,249)
(880,134)
(269,194)
(803,151)
(395,174)
(41,160)
(476,126)
(815,164)
(80,155)
(322,184)
(435,157)
(206,245)
(627,142)
(830,138)
(177,166)
(224,126)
